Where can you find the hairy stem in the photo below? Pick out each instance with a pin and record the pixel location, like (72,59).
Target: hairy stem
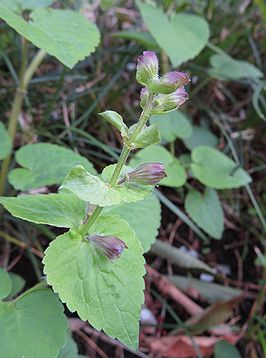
(145,114)
(25,76)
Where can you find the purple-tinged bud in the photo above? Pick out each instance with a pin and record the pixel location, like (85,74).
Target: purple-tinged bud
(144,94)
(147,68)
(169,83)
(146,174)
(111,246)
(164,103)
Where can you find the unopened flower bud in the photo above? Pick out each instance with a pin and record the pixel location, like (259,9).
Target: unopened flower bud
(169,83)
(146,174)
(111,246)
(144,94)
(164,103)
(147,68)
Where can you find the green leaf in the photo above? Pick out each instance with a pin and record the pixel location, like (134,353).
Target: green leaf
(106,293)
(6,144)
(144,217)
(200,136)
(20,5)
(182,37)
(206,210)
(44,164)
(18,284)
(214,169)
(172,125)
(143,38)
(148,136)
(116,120)
(37,322)
(97,192)
(176,175)
(225,67)
(224,349)
(5,284)
(60,210)
(70,348)
(50,30)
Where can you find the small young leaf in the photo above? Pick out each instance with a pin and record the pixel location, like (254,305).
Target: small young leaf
(49,30)
(176,175)
(200,136)
(224,349)
(37,321)
(5,284)
(60,210)
(106,293)
(144,217)
(227,68)
(97,192)
(70,348)
(116,120)
(182,37)
(172,125)
(44,164)
(148,136)
(206,210)
(18,284)
(214,169)
(6,145)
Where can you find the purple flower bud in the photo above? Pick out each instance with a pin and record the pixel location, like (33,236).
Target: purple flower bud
(147,68)
(111,246)
(146,174)
(169,83)
(164,103)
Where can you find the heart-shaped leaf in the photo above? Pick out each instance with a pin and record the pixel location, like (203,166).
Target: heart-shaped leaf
(206,210)
(106,293)
(214,169)
(37,321)
(182,36)
(44,164)
(50,30)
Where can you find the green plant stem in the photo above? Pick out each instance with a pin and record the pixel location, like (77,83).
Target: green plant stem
(122,159)
(25,77)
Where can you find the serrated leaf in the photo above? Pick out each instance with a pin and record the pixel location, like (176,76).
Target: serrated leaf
(106,293)
(116,120)
(98,192)
(148,136)
(182,36)
(6,144)
(60,210)
(144,217)
(206,210)
(227,68)
(143,38)
(5,284)
(224,349)
(49,30)
(172,125)
(176,175)
(214,169)
(200,136)
(37,321)
(44,164)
